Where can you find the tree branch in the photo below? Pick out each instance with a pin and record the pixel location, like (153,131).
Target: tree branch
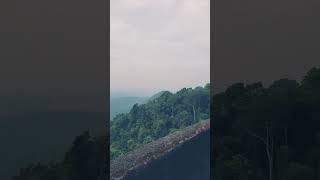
(256,136)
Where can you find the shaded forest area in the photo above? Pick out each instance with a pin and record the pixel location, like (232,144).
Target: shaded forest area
(85,160)
(268,132)
(40,136)
(157,118)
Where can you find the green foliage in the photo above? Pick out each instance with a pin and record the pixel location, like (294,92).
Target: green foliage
(158,117)
(275,130)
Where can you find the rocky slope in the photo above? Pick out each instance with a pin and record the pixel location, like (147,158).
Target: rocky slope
(184,154)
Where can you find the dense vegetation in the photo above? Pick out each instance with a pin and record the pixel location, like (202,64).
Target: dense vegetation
(157,118)
(85,160)
(268,132)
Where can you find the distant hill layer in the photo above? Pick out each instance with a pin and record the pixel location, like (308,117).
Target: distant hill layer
(120,105)
(157,95)
(123,104)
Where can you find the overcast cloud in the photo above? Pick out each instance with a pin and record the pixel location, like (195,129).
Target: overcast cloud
(159,45)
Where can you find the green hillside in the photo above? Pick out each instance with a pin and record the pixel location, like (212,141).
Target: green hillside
(155,96)
(157,118)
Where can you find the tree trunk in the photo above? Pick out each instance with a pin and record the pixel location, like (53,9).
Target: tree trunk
(270,154)
(194,113)
(172,111)
(269,150)
(199,107)
(286,134)
(270,169)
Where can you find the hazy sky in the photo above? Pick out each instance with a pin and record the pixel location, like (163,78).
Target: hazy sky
(264,40)
(159,45)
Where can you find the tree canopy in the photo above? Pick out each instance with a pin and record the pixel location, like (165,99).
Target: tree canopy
(268,132)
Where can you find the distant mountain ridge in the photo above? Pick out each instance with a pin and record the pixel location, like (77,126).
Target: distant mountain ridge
(155,96)
(123,104)
(120,105)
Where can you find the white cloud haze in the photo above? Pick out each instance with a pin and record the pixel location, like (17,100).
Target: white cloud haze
(159,45)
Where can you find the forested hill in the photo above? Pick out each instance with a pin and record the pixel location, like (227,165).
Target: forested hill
(157,118)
